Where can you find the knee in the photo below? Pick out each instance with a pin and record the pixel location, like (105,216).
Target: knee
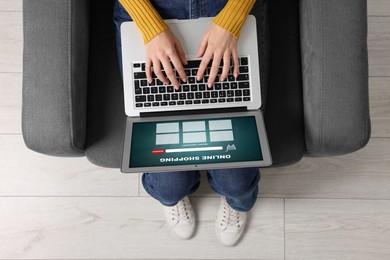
(235,183)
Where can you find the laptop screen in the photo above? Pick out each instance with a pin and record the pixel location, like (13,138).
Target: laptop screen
(200,141)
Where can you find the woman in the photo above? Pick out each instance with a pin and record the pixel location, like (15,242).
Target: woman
(238,187)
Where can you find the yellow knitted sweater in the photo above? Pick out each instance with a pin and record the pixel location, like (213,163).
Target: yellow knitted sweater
(232,17)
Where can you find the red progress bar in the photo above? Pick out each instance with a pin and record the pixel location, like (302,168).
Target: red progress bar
(158,151)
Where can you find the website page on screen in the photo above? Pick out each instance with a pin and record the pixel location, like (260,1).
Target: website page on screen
(185,142)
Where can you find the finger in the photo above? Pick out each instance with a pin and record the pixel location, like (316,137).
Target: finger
(158,72)
(214,70)
(148,68)
(203,46)
(170,73)
(203,65)
(236,64)
(226,66)
(179,68)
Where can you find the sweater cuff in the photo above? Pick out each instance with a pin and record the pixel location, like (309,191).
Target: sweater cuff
(233,16)
(146,18)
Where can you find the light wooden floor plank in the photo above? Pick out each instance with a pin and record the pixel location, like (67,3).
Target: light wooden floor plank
(363,174)
(11,41)
(379,46)
(10,102)
(378,7)
(11,5)
(380,106)
(337,229)
(27,173)
(128,228)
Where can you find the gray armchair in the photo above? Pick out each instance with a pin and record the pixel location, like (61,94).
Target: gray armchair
(73,97)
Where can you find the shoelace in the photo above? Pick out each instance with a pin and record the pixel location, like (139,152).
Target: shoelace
(230,217)
(180,211)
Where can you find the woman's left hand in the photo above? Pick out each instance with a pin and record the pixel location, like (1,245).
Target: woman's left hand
(217,44)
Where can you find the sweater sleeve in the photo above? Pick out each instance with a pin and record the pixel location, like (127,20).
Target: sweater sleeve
(233,15)
(145,16)
(149,22)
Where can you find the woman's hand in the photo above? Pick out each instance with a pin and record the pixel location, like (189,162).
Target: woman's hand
(164,49)
(217,44)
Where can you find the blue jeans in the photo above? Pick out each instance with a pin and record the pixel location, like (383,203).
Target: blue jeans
(239,186)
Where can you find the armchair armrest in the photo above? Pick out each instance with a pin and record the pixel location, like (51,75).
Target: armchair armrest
(55,65)
(335,75)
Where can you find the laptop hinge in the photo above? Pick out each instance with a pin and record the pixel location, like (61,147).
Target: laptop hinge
(193,112)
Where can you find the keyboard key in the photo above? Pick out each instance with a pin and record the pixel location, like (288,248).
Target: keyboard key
(242,77)
(156,104)
(139,75)
(147,104)
(145,90)
(158,97)
(150,98)
(144,82)
(180,103)
(206,94)
(164,104)
(247,92)
(238,93)
(213,101)
(186,88)
(247,99)
(202,87)
(205,101)
(217,86)
(139,99)
(225,85)
(162,89)
(244,69)
(190,95)
(170,89)
(238,99)
(230,100)
(221,100)
(188,102)
(172,103)
(198,95)
(192,64)
(167,97)
(244,61)
(222,93)
(191,80)
(231,78)
(175,96)
(188,72)
(197,101)
(136,65)
(233,85)
(154,90)
(230,93)
(183,96)
(214,94)
(244,84)
(139,105)
(194,88)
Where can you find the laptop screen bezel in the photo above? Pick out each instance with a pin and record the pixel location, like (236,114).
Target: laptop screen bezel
(267,161)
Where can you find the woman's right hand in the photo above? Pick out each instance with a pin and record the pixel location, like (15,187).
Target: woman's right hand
(165,49)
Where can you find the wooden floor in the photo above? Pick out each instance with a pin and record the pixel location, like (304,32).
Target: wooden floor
(67,208)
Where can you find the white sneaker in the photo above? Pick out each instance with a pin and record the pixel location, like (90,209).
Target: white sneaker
(230,224)
(181,218)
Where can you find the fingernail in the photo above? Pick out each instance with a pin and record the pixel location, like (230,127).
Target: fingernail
(184,80)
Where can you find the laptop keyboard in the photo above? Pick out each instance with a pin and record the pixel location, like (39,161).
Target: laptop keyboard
(192,92)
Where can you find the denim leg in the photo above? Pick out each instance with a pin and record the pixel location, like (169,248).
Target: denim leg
(170,187)
(239,186)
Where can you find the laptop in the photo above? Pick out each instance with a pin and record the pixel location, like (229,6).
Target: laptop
(195,127)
